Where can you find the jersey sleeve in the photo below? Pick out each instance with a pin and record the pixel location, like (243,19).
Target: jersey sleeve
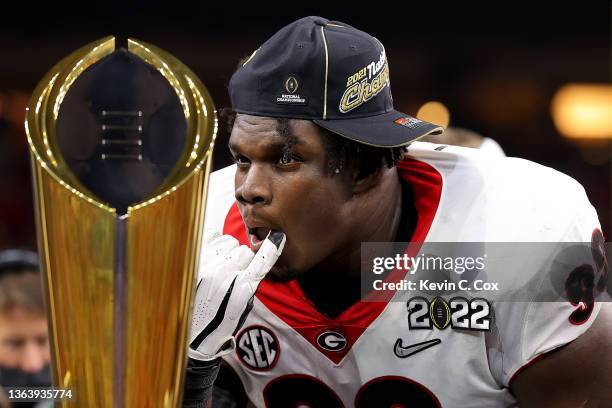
(526,330)
(219,199)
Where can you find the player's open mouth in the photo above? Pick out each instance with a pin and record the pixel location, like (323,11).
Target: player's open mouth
(257,235)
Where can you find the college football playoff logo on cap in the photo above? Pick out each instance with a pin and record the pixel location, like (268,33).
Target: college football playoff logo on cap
(291,85)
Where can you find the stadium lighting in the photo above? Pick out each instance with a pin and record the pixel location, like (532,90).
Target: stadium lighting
(583,111)
(434,112)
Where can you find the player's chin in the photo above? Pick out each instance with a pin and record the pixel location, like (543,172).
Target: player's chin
(281,273)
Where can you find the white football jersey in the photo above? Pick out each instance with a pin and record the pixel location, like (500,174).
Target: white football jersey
(289,354)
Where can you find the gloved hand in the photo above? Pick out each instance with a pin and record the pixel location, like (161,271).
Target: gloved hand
(224,296)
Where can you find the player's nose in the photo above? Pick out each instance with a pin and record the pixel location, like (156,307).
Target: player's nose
(254,187)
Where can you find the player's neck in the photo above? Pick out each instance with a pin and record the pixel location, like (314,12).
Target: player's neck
(378,221)
(341,274)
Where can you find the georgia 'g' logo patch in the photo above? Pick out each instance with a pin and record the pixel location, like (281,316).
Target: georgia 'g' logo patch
(257,348)
(331,340)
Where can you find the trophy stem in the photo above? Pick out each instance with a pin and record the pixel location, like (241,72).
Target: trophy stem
(120,309)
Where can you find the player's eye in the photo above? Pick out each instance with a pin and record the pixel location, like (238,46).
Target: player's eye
(289,159)
(240,160)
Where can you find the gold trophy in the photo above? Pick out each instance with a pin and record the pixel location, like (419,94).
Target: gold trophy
(121,144)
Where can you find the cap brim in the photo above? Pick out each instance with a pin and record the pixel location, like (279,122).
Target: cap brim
(390,129)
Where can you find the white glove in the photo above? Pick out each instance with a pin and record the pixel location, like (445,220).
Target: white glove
(224,296)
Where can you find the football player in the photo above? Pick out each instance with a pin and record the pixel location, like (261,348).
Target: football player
(323,164)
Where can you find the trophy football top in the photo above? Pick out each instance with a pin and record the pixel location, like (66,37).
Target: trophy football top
(121,129)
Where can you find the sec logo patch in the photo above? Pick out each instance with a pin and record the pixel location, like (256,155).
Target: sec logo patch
(257,348)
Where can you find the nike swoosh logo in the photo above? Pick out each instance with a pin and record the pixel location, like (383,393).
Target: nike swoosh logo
(403,352)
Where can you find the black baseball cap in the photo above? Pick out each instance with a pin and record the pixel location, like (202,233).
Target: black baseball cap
(17,260)
(330,73)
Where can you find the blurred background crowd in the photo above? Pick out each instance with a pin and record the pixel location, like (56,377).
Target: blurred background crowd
(535,78)
(532,77)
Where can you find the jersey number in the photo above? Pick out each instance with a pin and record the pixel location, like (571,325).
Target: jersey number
(299,390)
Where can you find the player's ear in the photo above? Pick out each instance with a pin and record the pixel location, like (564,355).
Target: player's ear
(362,184)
